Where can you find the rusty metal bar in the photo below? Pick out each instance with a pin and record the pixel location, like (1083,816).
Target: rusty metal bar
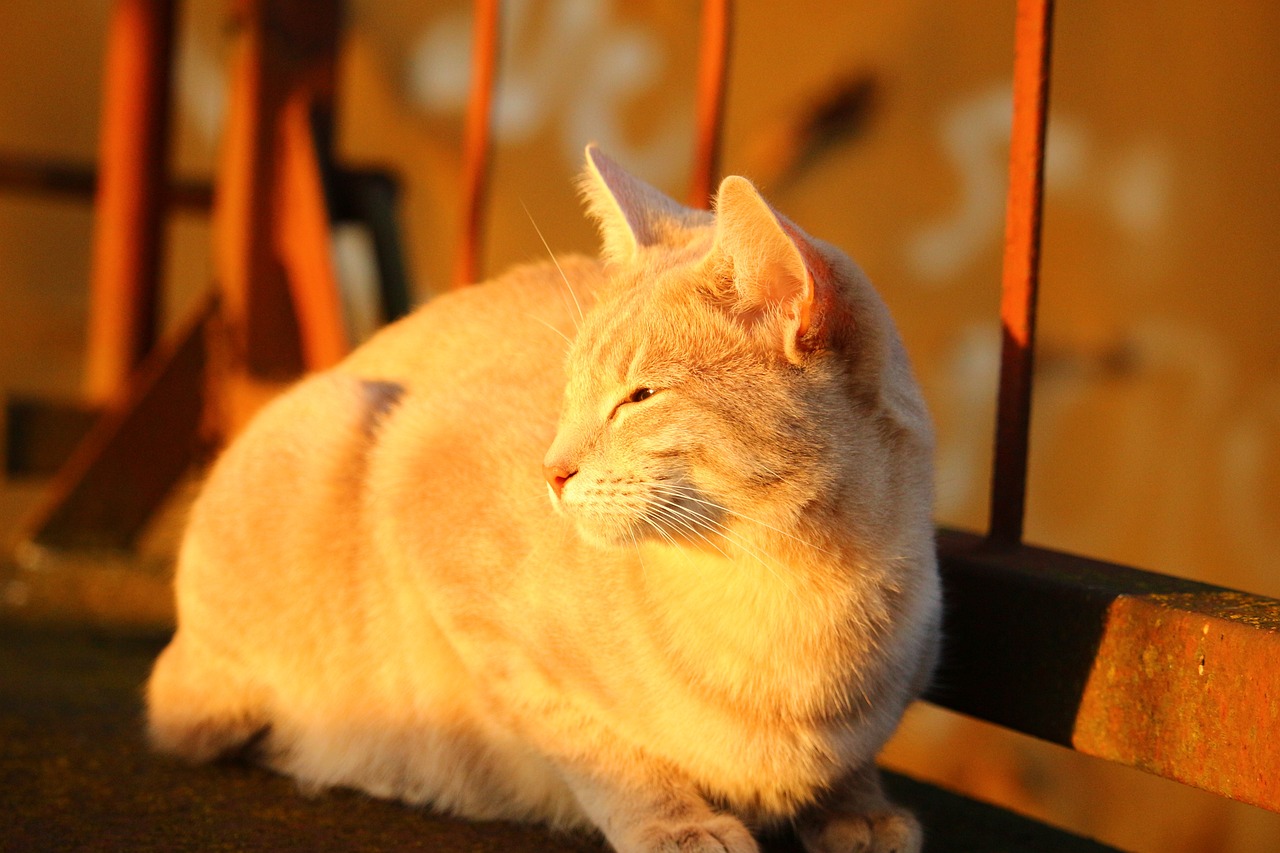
(79,181)
(713,70)
(477,144)
(1184,686)
(282,71)
(135,452)
(129,211)
(1172,676)
(40,435)
(1032,36)
(303,237)
(255,299)
(35,176)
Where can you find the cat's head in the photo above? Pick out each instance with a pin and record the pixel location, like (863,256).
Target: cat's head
(737,372)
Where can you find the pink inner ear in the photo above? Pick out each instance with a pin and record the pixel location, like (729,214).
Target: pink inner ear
(804,310)
(774,263)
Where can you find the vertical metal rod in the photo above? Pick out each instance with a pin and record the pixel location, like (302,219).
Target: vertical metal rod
(713,70)
(130,205)
(303,232)
(261,328)
(476,141)
(284,55)
(1032,36)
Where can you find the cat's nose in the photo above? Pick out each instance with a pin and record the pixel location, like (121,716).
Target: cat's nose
(557,475)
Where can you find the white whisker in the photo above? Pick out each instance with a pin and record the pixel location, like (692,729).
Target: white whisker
(635,543)
(668,512)
(547,246)
(568,342)
(671,541)
(683,494)
(694,523)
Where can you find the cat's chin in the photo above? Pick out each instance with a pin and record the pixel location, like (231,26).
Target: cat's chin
(613,535)
(608,535)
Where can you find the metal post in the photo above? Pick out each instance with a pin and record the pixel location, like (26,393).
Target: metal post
(131,194)
(713,70)
(1021,267)
(476,143)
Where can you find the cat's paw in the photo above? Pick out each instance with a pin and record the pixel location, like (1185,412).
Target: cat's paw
(719,834)
(889,831)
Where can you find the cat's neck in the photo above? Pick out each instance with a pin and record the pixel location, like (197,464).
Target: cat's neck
(767,607)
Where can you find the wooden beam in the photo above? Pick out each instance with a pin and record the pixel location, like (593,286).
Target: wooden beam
(80,181)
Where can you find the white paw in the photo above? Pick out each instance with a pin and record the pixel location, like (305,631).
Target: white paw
(893,831)
(719,834)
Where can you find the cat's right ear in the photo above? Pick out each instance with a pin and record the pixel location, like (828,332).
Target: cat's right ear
(631,214)
(772,264)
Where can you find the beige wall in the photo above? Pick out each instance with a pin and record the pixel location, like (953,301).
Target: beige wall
(1157,415)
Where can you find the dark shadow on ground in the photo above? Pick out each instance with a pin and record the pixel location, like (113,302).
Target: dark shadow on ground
(77,776)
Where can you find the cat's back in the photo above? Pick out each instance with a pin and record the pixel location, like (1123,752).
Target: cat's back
(465,385)
(526,317)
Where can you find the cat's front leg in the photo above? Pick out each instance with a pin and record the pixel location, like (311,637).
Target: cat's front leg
(856,817)
(658,815)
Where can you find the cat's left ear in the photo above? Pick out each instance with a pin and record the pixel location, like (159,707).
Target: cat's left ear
(632,215)
(773,266)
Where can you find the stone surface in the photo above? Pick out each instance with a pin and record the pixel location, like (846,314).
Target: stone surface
(75,775)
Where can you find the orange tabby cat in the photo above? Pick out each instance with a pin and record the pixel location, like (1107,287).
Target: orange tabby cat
(698,602)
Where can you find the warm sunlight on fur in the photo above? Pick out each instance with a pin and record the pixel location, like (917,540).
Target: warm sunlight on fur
(642,544)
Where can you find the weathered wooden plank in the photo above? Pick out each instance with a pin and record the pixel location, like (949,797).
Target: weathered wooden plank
(1187,686)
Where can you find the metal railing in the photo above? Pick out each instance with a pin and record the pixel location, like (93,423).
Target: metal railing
(1053,645)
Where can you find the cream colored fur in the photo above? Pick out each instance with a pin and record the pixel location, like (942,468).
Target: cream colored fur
(667,615)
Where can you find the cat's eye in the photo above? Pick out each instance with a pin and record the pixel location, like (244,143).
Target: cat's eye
(641,394)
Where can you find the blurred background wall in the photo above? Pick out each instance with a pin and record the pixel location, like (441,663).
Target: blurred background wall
(882,127)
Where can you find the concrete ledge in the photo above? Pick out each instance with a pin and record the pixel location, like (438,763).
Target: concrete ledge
(77,776)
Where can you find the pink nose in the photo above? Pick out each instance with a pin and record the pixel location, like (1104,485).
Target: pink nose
(557,475)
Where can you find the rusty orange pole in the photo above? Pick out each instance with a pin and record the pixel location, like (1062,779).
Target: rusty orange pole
(1032,35)
(261,328)
(267,195)
(131,194)
(303,235)
(713,71)
(477,144)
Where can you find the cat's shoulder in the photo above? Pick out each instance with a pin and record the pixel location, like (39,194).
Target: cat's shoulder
(515,311)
